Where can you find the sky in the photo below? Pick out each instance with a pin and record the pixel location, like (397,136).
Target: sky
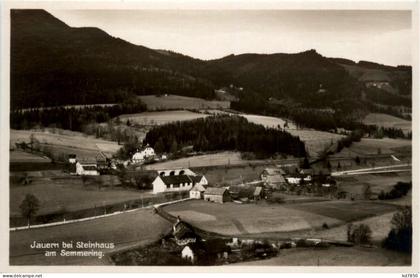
(378,36)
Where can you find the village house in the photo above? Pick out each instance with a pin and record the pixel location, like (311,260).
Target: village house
(207,252)
(298,178)
(197,192)
(172,183)
(183,233)
(86,169)
(217,195)
(146,153)
(178,180)
(72,159)
(273,178)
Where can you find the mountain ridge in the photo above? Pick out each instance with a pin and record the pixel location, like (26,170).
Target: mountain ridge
(55,64)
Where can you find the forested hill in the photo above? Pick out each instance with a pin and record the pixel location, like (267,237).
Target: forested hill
(54,64)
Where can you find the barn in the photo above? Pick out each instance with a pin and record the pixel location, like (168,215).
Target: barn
(217,195)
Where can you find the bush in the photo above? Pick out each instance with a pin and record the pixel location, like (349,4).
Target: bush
(399,190)
(325,226)
(400,238)
(359,234)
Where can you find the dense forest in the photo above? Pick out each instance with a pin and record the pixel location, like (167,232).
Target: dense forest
(73,118)
(224,133)
(55,64)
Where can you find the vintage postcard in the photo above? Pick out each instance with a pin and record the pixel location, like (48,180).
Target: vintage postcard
(216,135)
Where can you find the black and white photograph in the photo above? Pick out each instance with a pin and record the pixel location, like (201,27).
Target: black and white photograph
(209,137)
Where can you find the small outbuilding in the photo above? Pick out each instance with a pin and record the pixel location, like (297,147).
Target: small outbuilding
(217,195)
(197,192)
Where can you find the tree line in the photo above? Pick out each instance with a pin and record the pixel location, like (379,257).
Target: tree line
(224,132)
(72,118)
(317,119)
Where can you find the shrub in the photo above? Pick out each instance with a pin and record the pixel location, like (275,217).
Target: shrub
(325,226)
(400,237)
(359,234)
(399,190)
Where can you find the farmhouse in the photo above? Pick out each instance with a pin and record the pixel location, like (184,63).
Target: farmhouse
(273,178)
(197,192)
(86,169)
(178,180)
(140,156)
(217,195)
(206,252)
(182,233)
(72,158)
(172,183)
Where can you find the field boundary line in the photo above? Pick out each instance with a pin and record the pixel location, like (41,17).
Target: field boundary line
(92,217)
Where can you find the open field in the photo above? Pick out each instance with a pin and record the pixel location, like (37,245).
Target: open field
(372,146)
(387,121)
(18,156)
(236,219)
(68,194)
(315,140)
(380,226)
(215,159)
(335,256)
(131,229)
(160,118)
(346,211)
(67,140)
(267,121)
(231,175)
(168,102)
(241,219)
(377,182)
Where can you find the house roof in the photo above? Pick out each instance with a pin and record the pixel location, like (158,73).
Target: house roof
(196,178)
(241,191)
(89,167)
(198,187)
(215,190)
(176,179)
(274,171)
(182,231)
(275,179)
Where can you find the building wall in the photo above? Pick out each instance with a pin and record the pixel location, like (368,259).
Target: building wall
(187,254)
(158,186)
(195,194)
(217,198)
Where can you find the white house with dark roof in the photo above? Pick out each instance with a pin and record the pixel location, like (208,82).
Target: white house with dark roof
(140,156)
(177,180)
(86,169)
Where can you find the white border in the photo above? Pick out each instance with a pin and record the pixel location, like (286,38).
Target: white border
(219,4)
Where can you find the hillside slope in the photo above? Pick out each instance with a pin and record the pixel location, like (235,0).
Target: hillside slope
(55,64)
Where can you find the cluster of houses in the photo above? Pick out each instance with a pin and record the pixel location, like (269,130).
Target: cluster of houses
(272,179)
(211,251)
(89,167)
(277,179)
